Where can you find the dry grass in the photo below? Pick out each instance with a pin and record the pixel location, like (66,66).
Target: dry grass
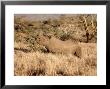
(56,47)
(48,64)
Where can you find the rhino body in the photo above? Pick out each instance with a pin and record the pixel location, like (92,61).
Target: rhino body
(55,45)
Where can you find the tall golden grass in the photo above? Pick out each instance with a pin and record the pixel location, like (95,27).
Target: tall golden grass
(48,64)
(67,46)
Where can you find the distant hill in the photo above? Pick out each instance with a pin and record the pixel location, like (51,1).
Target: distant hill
(35,17)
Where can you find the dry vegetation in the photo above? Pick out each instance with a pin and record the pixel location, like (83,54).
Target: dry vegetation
(56,47)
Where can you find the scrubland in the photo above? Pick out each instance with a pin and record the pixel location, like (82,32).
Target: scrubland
(56,47)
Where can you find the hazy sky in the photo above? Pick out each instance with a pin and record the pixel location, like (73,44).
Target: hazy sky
(38,16)
(35,17)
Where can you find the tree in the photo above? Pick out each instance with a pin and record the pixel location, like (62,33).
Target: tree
(89,24)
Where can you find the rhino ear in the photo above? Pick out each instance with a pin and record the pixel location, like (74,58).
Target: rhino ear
(49,36)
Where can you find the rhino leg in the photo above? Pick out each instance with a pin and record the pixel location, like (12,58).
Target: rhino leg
(77,52)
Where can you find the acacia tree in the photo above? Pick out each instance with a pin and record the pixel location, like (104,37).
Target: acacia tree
(89,24)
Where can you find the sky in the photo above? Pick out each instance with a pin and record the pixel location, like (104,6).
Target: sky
(35,17)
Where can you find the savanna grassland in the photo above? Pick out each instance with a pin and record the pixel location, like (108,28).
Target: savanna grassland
(65,45)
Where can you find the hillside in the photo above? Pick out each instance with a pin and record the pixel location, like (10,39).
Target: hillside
(63,45)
